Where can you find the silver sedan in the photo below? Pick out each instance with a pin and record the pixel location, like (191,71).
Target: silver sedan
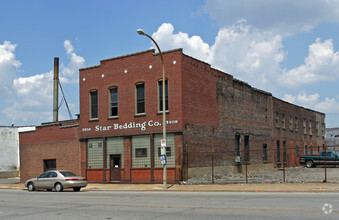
(56,179)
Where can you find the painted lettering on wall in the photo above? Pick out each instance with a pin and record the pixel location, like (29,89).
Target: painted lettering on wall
(129,125)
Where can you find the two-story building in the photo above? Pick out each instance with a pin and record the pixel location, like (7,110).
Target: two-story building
(117,136)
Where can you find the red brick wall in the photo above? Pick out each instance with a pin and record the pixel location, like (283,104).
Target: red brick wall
(49,142)
(138,70)
(295,137)
(199,98)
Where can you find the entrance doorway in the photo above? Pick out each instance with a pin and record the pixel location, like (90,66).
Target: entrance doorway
(115,168)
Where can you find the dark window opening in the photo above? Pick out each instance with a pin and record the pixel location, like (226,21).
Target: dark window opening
(278,151)
(237,145)
(247,148)
(140,98)
(113,102)
(264,152)
(49,165)
(285,152)
(141,152)
(94,104)
(160,86)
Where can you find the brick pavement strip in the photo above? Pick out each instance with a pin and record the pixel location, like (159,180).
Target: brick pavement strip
(286,187)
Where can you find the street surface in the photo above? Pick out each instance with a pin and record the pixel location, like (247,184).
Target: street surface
(21,204)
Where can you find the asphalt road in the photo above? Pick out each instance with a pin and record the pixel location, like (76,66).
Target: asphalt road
(21,204)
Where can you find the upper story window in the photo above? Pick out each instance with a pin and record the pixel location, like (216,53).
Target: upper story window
(291,123)
(140,98)
(93,104)
(304,126)
(113,105)
(296,127)
(283,121)
(277,119)
(310,127)
(160,95)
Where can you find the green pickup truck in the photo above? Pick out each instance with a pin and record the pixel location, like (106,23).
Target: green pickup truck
(332,158)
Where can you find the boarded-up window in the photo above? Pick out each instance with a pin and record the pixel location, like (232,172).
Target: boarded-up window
(95,154)
(170,150)
(141,142)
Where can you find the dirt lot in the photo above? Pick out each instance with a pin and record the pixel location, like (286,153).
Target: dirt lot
(292,175)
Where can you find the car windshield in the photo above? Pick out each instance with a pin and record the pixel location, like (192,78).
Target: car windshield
(67,173)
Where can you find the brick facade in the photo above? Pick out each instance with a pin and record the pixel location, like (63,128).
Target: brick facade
(57,141)
(210,113)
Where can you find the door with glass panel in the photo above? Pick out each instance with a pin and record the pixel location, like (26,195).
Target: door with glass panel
(115,167)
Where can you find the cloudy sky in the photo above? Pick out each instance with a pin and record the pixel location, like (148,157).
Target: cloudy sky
(287,47)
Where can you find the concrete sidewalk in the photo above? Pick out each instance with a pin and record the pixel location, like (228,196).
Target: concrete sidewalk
(332,187)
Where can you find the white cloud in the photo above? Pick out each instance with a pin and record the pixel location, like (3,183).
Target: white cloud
(321,64)
(194,45)
(289,98)
(8,65)
(248,54)
(313,101)
(33,95)
(278,16)
(240,50)
(76,62)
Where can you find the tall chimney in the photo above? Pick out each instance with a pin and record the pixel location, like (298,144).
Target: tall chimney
(56,89)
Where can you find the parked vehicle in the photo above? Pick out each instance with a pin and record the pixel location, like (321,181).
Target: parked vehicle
(56,179)
(332,158)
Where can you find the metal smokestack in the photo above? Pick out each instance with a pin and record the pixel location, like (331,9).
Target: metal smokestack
(56,89)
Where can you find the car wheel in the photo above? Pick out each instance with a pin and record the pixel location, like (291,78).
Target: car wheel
(309,164)
(31,187)
(76,189)
(58,187)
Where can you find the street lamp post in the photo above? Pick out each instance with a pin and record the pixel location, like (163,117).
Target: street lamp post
(163,148)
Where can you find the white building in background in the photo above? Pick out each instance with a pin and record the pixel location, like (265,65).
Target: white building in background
(332,138)
(9,150)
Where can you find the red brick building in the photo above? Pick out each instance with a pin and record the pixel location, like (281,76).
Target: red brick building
(117,137)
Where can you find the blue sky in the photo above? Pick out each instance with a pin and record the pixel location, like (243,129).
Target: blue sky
(286,47)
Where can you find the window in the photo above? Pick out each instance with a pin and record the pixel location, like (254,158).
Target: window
(291,123)
(311,150)
(278,151)
(93,104)
(264,152)
(52,175)
(310,127)
(305,150)
(304,126)
(237,145)
(277,119)
(160,95)
(141,152)
(283,121)
(296,124)
(113,92)
(297,151)
(317,128)
(95,154)
(170,150)
(140,98)
(247,148)
(285,152)
(49,165)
